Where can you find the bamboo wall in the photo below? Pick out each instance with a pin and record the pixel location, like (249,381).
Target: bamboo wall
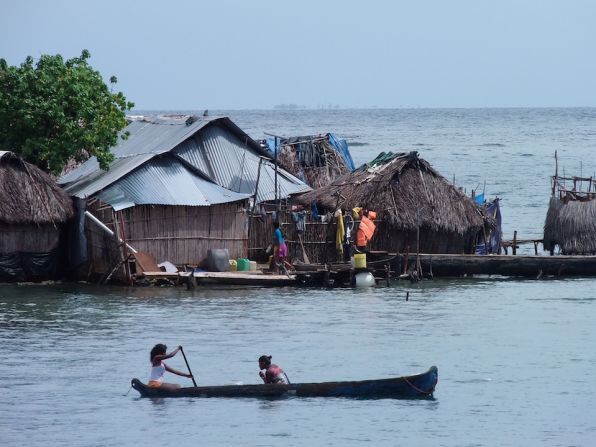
(182,235)
(319,240)
(179,234)
(388,238)
(313,239)
(29,238)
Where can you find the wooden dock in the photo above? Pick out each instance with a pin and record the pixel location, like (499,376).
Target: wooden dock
(396,266)
(504,265)
(255,278)
(248,278)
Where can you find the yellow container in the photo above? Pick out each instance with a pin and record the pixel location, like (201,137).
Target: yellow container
(360,260)
(233,265)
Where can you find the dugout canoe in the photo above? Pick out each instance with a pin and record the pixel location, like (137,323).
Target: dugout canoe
(406,387)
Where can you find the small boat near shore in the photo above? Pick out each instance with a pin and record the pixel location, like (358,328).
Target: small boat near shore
(405,387)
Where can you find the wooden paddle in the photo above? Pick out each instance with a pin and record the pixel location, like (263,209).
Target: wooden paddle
(188,366)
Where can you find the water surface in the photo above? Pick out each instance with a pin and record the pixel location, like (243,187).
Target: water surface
(516,358)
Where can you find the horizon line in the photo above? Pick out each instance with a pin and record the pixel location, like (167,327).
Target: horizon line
(278,109)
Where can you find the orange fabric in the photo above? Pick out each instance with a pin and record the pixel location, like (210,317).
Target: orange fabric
(360,238)
(365,232)
(154,384)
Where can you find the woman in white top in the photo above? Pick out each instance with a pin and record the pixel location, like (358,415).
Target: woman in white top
(158,367)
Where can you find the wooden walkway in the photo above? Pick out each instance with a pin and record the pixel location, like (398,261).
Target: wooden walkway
(248,278)
(504,265)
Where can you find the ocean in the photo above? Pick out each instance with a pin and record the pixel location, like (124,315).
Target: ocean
(516,357)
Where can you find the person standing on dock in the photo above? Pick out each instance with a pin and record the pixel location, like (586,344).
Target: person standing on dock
(158,367)
(280,249)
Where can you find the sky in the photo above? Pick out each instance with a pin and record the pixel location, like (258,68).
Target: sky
(253,54)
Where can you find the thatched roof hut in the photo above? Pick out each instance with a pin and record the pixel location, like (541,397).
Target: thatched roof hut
(571,221)
(571,217)
(410,198)
(29,195)
(32,210)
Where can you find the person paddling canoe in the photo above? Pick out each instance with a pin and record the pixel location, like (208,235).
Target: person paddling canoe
(158,367)
(273,373)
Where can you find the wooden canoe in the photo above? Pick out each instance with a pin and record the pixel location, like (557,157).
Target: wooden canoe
(406,387)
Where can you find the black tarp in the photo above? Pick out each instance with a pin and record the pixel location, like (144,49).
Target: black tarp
(21,266)
(76,250)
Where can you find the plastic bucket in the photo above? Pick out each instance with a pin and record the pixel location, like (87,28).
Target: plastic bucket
(233,265)
(360,260)
(253,266)
(243,265)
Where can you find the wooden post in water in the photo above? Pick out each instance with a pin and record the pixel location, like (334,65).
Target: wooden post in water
(514,246)
(121,244)
(556,178)
(254,203)
(388,273)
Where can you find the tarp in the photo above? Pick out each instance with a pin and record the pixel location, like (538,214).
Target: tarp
(21,266)
(341,146)
(493,242)
(76,238)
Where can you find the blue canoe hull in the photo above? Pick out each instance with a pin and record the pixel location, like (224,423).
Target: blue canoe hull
(406,387)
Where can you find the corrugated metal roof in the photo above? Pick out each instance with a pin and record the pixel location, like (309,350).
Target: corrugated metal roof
(99,179)
(216,147)
(226,159)
(165,181)
(143,138)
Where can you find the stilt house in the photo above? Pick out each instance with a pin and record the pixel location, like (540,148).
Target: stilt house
(418,209)
(177,188)
(33,212)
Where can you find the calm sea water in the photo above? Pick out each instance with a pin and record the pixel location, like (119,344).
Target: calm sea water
(516,358)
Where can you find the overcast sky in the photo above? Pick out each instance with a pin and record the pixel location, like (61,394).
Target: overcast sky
(243,54)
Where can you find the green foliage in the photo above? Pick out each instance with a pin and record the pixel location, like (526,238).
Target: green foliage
(55,111)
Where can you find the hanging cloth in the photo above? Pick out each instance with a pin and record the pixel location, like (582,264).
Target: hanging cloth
(299,219)
(366,229)
(314,211)
(340,233)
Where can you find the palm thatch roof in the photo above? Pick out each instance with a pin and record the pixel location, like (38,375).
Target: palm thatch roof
(28,195)
(571,224)
(406,191)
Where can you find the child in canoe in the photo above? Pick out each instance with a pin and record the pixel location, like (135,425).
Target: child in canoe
(158,367)
(273,373)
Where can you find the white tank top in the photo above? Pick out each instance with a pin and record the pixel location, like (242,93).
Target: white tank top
(157,372)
